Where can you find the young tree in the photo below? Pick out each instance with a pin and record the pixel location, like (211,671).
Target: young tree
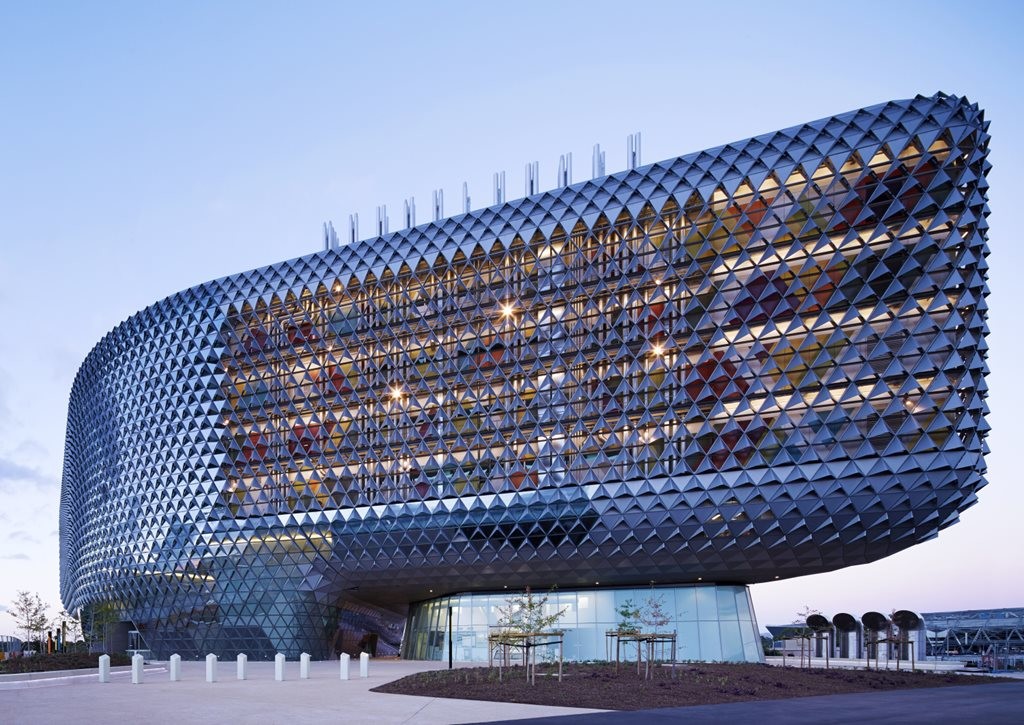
(803,632)
(525,614)
(803,614)
(520,621)
(29,611)
(653,613)
(629,615)
(96,620)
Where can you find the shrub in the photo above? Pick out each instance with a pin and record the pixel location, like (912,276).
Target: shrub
(50,663)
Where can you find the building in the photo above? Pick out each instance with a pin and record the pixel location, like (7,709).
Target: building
(991,638)
(10,646)
(982,638)
(758,361)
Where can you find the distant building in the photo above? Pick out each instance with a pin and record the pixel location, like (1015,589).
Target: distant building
(992,638)
(989,637)
(9,646)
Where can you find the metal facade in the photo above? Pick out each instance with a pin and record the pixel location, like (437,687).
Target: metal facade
(762,360)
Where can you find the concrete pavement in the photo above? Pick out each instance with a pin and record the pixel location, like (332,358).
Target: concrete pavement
(324,698)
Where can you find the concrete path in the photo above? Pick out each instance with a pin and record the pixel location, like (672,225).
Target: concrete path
(951,666)
(324,698)
(993,704)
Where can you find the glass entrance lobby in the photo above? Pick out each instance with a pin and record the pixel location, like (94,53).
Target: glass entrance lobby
(712,622)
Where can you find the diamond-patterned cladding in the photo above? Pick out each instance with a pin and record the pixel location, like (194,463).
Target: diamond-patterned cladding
(762,360)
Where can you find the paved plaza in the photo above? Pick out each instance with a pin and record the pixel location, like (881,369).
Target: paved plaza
(325,698)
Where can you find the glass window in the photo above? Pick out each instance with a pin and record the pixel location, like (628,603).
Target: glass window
(732,642)
(686,604)
(712,622)
(710,641)
(743,610)
(688,642)
(726,603)
(707,603)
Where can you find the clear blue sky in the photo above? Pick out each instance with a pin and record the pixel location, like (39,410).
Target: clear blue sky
(148,147)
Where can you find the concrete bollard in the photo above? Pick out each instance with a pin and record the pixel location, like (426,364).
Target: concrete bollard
(175,665)
(344,665)
(137,662)
(211,667)
(104,668)
(364,665)
(304,666)
(243,664)
(279,667)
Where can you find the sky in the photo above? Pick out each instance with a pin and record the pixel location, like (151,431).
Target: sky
(149,147)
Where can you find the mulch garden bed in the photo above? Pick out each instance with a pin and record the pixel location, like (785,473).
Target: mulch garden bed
(55,662)
(599,686)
